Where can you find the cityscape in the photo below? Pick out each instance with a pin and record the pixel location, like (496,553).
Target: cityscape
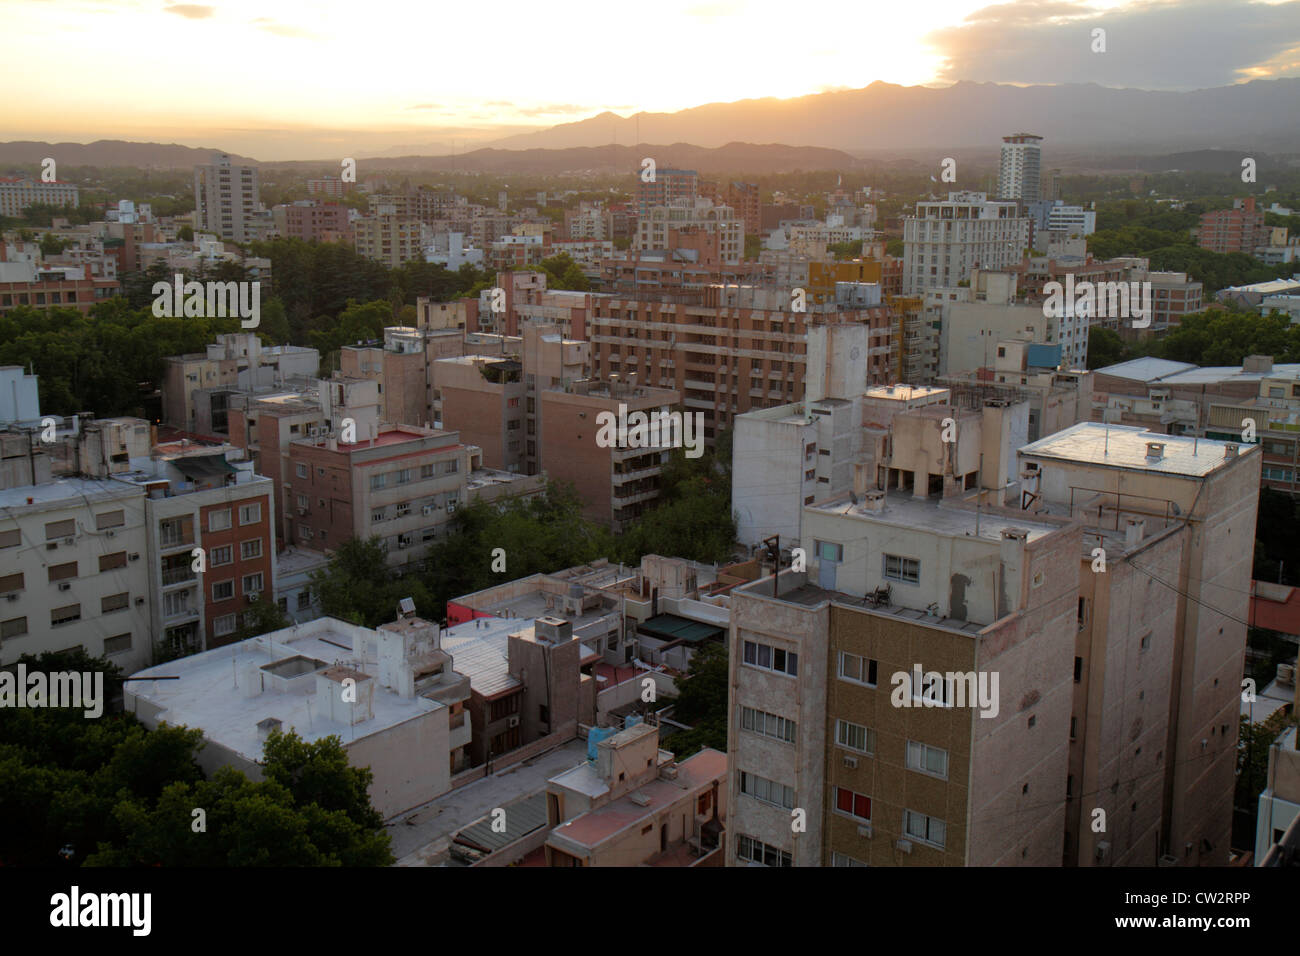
(900,469)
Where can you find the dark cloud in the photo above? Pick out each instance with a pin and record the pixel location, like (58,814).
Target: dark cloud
(190,11)
(1188,44)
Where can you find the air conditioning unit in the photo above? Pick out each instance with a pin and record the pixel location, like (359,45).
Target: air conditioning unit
(1103,848)
(1286,674)
(904,846)
(513,721)
(427,510)
(865,830)
(52,546)
(69,540)
(302,512)
(451,507)
(110,533)
(401,544)
(139,600)
(65,586)
(252,598)
(851,762)
(135,557)
(11,597)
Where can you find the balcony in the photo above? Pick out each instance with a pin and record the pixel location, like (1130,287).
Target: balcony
(172,576)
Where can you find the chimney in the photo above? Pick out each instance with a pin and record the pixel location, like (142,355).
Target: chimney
(874,501)
(1134,531)
(1230,450)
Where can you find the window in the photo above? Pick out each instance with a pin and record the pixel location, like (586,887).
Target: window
(11,538)
(110,519)
(755,851)
(223,626)
(855,737)
(114,602)
(219,520)
(377,515)
(403,508)
(65,615)
(252,583)
(222,555)
(61,572)
(929,830)
(107,562)
(768,791)
(839,859)
(117,644)
(378,481)
(304,600)
(173,532)
(11,582)
(1078,669)
(223,590)
(426,471)
(250,514)
(404,476)
(768,725)
(60,529)
(907,570)
(927,759)
(771,658)
(861,670)
(14,627)
(250,549)
(301,470)
(853,804)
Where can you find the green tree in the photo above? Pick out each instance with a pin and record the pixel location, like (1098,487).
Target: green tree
(359,586)
(1105,347)
(702,703)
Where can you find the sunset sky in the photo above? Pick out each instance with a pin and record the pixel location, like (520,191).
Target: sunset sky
(279,80)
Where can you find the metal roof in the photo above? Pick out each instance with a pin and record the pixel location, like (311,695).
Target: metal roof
(521,819)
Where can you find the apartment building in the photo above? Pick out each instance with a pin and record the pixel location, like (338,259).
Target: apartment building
(405,721)
(312,221)
(389,239)
(1021,168)
(17,194)
(332,186)
(44,286)
(948,239)
(73,574)
(742,197)
(827,718)
(1160,637)
(733,348)
(266,423)
(1279,801)
(657,226)
(667,186)
(616,481)
(1239,229)
(204,497)
(688,268)
(236,361)
(632,804)
(226,200)
(1029,372)
(495,400)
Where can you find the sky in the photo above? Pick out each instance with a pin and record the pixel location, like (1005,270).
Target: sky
(305,79)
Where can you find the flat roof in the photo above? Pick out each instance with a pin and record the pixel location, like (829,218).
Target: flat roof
(1148,369)
(61,489)
(479,649)
(596,826)
(936,515)
(902,393)
(1125,446)
(1224,373)
(810,595)
(206,696)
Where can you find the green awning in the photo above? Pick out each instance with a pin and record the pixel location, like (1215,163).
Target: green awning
(203,466)
(670,627)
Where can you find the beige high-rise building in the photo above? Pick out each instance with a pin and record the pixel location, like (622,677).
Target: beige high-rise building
(226,199)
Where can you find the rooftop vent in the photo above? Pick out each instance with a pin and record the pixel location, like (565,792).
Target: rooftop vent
(1155,449)
(1230,450)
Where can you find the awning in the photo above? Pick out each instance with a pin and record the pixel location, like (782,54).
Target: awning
(670,627)
(203,466)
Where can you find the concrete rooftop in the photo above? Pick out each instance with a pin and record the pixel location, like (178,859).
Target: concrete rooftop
(1125,446)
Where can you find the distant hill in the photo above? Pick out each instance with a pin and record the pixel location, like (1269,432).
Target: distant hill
(882,116)
(111,152)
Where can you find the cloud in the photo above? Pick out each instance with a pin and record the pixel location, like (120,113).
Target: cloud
(283,29)
(552,108)
(425,106)
(190,11)
(1153,44)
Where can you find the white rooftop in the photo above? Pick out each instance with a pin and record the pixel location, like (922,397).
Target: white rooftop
(937,516)
(1125,446)
(66,489)
(212,689)
(479,648)
(1147,369)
